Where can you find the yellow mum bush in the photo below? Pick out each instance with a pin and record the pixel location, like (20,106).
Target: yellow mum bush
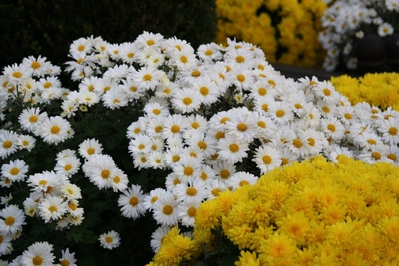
(286,30)
(309,213)
(377,89)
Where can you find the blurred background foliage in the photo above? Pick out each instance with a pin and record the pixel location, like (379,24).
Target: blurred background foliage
(48,27)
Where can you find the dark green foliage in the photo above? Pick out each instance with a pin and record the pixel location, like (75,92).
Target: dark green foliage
(48,27)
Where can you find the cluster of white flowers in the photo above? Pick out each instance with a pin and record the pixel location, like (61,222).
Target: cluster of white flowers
(347,21)
(205,113)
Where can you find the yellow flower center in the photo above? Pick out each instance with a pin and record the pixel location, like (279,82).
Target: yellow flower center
(17,74)
(331,127)
(219,135)
(376,155)
(298,106)
(280,113)
(204,91)
(265,107)
(105,173)
(176,181)
(187,101)
(167,210)
(262,91)
(372,141)
(91,151)
(267,159)
(392,156)
(202,145)
(64,262)
(208,52)
(297,143)
(47,85)
(234,147)
(224,173)
(311,142)
(72,206)
(191,211)
(108,239)
(43,182)
(147,77)
(240,59)
(175,129)
(188,170)
(150,42)
(35,65)
(130,55)
(393,131)
(52,208)
(242,127)
(241,77)
(195,73)
(215,192)
(117,179)
(9,220)
(37,260)
(7,144)
(14,171)
(175,158)
(326,92)
(154,199)
(191,191)
(325,109)
(243,183)
(348,116)
(262,124)
(272,82)
(55,130)
(134,201)
(68,167)
(183,59)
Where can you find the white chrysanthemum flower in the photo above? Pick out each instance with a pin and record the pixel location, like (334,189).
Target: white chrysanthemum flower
(242,125)
(174,125)
(149,39)
(165,210)
(389,128)
(240,179)
(140,144)
(16,73)
(224,170)
(119,180)
(147,78)
(132,202)
(184,59)
(54,129)
(15,170)
(193,188)
(157,236)
(232,149)
(214,187)
(281,112)
(67,166)
(332,128)
(39,65)
(115,98)
(209,52)
(30,207)
(73,208)
(187,167)
(5,244)
(100,168)
(90,147)
(385,29)
(67,258)
(267,158)
(46,181)
(8,143)
(39,253)
(12,220)
(52,208)
(110,240)
(186,100)
(71,191)
(187,209)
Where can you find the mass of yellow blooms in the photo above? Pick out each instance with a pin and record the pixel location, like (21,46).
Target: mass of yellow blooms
(286,30)
(309,213)
(378,89)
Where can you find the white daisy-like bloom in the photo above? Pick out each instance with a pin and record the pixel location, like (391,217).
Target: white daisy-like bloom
(392,5)
(140,160)
(119,180)
(232,149)
(165,91)
(71,191)
(333,151)
(117,72)
(242,125)
(208,90)
(8,143)
(154,127)
(239,56)
(205,143)
(52,208)
(368,140)
(393,154)
(214,187)
(102,85)
(157,236)
(155,109)
(184,59)
(147,78)
(88,98)
(152,197)
(48,82)
(90,147)
(187,167)
(88,84)
(389,128)
(30,206)
(16,73)
(174,125)
(131,202)
(240,179)
(28,87)
(267,158)
(46,181)
(242,77)
(140,144)
(281,112)
(69,108)
(67,258)
(128,52)
(172,156)
(73,208)
(109,240)
(297,143)
(38,65)
(54,129)
(165,210)
(12,219)
(186,211)
(193,188)
(316,141)
(346,114)
(186,100)
(5,182)
(209,52)
(224,170)
(115,98)
(149,39)
(198,122)
(385,29)
(67,166)
(5,245)
(81,45)
(100,168)
(262,104)
(219,120)
(39,253)
(261,88)
(15,170)
(332,128)
(326,91)
(137,127)
(156,160)
(377,153)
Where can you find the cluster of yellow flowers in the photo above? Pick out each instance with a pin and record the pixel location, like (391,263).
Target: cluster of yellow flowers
(286,30)
(378,89)
(309,213)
